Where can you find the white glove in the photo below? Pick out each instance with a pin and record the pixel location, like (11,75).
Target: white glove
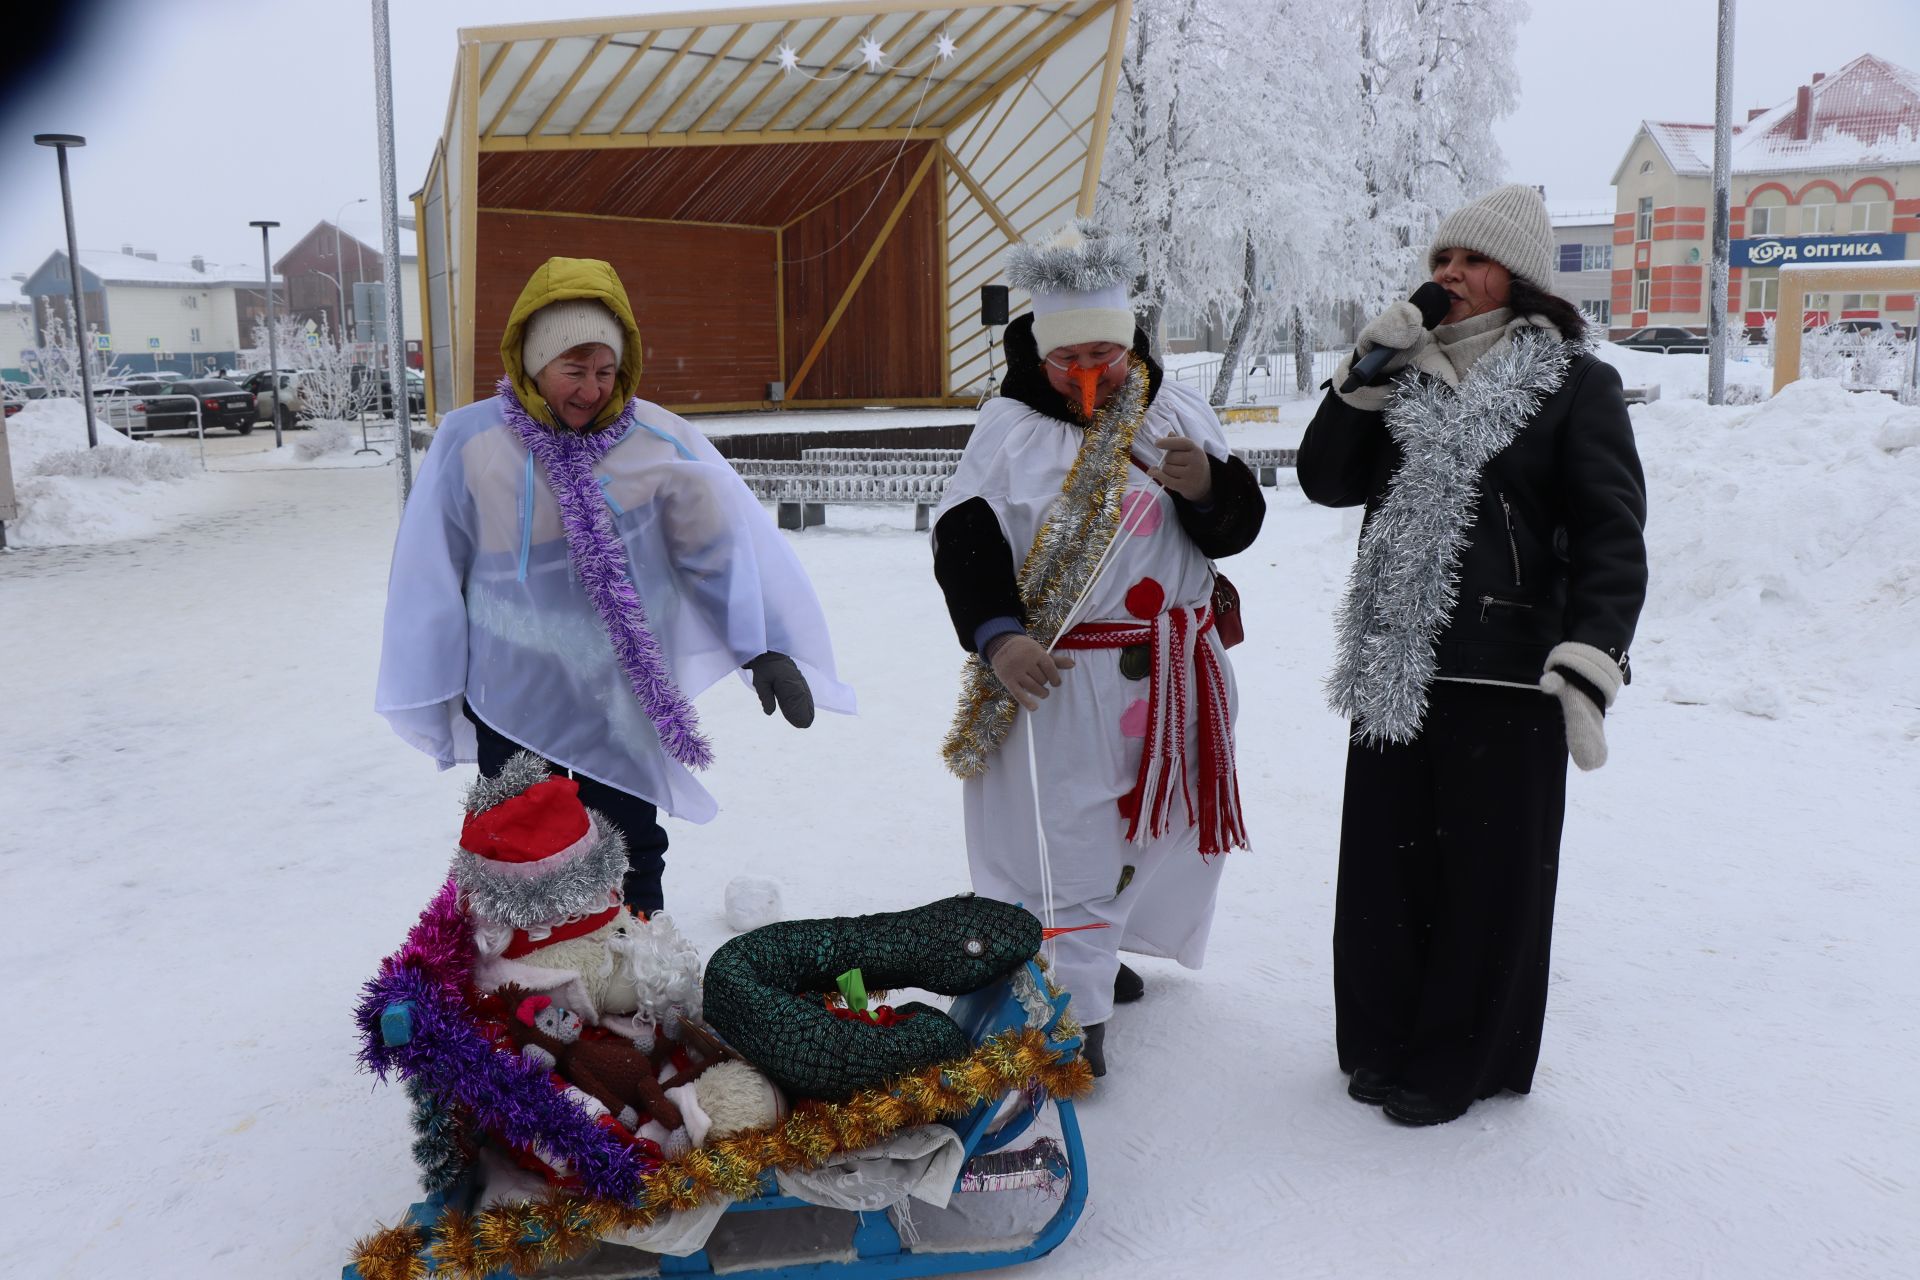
(1400,326)
(1576,674)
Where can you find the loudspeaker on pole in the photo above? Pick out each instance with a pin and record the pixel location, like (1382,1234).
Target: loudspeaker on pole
(993,304)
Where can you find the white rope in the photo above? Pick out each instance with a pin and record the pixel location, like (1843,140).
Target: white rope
(1128,526)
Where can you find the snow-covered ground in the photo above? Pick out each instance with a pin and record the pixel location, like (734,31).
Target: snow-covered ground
(193,779)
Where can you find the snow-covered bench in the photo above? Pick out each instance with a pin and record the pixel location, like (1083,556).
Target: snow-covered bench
(881,455)
(802,501)
(1642,395)
(1266,463)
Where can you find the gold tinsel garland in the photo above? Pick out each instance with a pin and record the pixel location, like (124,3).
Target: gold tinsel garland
(522,1238)
(1058,566)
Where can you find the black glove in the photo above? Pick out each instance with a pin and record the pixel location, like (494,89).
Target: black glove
(777,679)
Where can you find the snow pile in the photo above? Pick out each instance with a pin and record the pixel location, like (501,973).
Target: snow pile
(1781,540)
(1683,375)
(752,902)
(329,435)
(69,493)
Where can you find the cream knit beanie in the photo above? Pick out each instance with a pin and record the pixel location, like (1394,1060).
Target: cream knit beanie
(561,326)
(1510,225)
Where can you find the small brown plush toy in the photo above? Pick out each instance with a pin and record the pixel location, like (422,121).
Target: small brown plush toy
(611,1070)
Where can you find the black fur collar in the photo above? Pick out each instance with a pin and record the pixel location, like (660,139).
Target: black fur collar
(1026,379)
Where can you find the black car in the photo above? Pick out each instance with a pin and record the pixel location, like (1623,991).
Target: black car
(1664,337)
(222,404)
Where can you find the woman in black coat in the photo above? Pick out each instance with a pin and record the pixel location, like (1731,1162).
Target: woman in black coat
(1484,635)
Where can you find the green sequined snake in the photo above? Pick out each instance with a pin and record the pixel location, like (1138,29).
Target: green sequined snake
(764,990)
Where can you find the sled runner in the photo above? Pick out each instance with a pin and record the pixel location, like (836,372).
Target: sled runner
(997,1202)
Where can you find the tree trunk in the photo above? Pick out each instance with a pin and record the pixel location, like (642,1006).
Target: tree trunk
(1230,359)
(1302,353)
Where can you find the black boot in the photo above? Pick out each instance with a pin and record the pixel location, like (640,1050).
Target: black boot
(1370,1086)
(1094,1050)
(1414,1107)
(1127,986)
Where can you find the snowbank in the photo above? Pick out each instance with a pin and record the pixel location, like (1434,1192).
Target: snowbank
(67,496)
(1682,375)
(1782,539)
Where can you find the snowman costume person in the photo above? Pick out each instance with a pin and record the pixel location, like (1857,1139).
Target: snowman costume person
(1130,700)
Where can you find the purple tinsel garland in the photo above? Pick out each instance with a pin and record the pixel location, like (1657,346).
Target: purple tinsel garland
(447,1053)
(600,563)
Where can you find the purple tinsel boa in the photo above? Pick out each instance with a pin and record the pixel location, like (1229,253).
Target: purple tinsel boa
(448,1054)
(600,563)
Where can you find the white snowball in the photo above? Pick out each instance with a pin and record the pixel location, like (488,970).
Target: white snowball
(752,902)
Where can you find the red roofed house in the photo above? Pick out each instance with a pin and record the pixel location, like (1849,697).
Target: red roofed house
(1831,174)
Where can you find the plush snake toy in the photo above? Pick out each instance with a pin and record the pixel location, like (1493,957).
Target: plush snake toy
(765,990)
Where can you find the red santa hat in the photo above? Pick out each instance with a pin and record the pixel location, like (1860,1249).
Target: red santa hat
(530,853)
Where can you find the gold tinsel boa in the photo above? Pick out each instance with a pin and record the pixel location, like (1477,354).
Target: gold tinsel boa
(1058,567)
(526,1237)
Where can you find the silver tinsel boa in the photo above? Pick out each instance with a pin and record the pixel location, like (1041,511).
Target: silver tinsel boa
(1058,568)
(1406,578)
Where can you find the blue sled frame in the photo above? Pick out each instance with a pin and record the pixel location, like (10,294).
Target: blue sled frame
(878,1251)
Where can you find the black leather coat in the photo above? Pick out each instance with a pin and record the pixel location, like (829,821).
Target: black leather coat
(1555,551)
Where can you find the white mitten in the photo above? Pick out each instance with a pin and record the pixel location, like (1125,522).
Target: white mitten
(1586,681)
(1399,327)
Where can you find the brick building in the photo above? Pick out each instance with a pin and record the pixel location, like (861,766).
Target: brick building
(1831,174)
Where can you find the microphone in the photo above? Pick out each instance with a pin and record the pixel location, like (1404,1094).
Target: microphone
(1433,302)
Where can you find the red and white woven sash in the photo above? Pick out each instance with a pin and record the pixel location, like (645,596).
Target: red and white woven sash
(1176,640)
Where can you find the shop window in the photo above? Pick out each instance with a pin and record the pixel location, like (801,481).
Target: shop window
(1643,222)
(1763,293)
(1859,302)
(1642,289)
(1596,257)
(1871,215)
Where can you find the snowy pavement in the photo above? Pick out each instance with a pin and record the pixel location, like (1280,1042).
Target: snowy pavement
(193,778)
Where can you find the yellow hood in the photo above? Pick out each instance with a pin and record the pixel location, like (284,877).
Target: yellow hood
(556,280)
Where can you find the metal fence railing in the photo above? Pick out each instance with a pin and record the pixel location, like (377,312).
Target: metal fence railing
(1259,376)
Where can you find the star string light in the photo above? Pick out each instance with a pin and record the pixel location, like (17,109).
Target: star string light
(871,53)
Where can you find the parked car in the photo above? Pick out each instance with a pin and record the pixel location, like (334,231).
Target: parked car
(1866,328)
(122,403)
(15,398)
(222,404)
(1669,338)
(267,387)
(381,405)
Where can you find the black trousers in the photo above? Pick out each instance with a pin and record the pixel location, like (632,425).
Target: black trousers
(637,819)
(1443,916)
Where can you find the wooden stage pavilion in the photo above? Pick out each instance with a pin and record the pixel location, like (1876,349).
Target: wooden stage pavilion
(803,202)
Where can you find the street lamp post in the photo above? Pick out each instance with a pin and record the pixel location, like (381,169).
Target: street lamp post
(340,274)
(273,341)
(81,338)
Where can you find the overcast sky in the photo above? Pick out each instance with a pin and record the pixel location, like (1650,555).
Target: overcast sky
(201,115)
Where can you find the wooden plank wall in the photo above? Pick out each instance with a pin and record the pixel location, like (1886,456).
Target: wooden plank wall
(703,297)
(888,344)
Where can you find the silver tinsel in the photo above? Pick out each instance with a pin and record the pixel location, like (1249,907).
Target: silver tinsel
(1080,258)
(1079,525)
(520,900)
(1406,578)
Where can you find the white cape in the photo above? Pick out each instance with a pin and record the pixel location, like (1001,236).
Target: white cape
(482,603)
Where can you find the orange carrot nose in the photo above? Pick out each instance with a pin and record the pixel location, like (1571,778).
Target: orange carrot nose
(1070,928)
(1088,383)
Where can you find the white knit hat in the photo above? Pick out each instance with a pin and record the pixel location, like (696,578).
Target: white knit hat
(1510,225)
(561,326)
(1078,281)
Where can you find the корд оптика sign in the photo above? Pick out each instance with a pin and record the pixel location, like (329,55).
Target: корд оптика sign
(1774,251)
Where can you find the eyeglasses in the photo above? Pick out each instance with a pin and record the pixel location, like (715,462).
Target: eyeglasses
(1102,366)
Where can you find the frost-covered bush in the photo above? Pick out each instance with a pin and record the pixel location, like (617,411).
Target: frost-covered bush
(327,436)
(140,462)
(1879,360)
